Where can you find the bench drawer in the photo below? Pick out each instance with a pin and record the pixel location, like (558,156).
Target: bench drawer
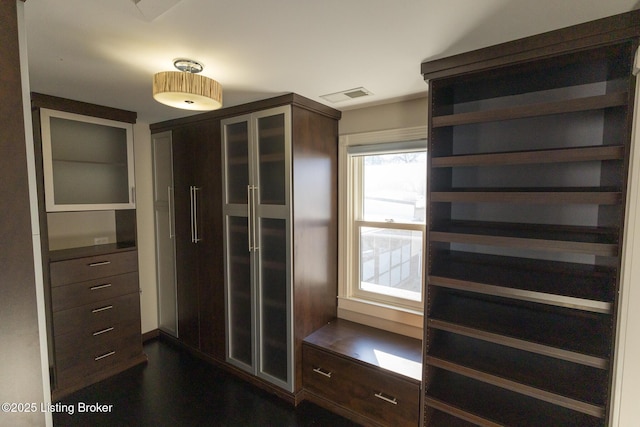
(384,397)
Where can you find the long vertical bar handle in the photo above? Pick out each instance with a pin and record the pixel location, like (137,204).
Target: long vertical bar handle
(256,246)
(191,200)
(195,215)
(171,231)
(249,217)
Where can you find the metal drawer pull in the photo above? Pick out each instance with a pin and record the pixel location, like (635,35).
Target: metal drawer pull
(103,331)
(111,353)
(98,310)
(95,288)
(97,264)
(389,399)
(322,372)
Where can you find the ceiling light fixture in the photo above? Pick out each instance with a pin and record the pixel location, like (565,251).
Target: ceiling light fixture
(186,89)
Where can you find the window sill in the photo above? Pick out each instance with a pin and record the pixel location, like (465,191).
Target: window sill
(401,321)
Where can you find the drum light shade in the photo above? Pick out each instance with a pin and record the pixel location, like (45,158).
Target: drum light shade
(187,90)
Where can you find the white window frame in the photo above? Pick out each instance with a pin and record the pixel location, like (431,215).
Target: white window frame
(353,304)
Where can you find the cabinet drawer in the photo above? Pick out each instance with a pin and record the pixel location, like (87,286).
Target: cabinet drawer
(371,392)
(94,267)
(89,340)
(88,356)
(89,292)
(97,316)
(75,348)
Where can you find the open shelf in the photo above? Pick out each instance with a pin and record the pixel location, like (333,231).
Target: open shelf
(567,384)
(596,196)
(542,109)
(488,405)
(442,419)
(561,333)
(558,155)
(585,240)
(579,286)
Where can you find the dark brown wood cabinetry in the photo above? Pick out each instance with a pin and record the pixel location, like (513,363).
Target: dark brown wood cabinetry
(95,302)
(198,236)
(369,375)
(92,293)
(197,163)
(528,145)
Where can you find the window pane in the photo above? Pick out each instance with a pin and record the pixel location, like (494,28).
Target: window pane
(391,262)
(394,187)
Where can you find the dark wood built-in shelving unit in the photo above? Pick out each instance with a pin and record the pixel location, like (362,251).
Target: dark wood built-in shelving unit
(528,145)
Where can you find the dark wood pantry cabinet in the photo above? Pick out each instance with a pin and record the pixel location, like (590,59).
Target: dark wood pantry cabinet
(528,159)
(298,238)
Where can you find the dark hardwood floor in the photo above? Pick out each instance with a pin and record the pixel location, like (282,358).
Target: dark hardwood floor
(177,389)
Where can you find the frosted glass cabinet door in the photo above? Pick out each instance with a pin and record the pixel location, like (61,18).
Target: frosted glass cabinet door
(272,150)
(236,151)
(256,154)
(87,162)
(239,292)
(274,296)
(165,232)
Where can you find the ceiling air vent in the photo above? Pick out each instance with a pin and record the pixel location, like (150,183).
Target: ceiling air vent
(151,9)
(346,95)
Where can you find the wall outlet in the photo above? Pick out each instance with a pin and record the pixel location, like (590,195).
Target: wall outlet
(100,240)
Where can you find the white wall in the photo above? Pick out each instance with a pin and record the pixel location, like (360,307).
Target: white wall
(78,229)
(145,226)
(404,114)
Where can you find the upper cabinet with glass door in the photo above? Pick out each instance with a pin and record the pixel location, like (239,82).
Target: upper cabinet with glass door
(87,162)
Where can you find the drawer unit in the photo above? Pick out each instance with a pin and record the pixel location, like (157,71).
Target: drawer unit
(92,291)
(93,267)
(91,342)
(86,356)
(384,397)
(95,304)
(97,316)
(363,373)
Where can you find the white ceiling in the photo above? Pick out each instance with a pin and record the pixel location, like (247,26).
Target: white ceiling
(106,51)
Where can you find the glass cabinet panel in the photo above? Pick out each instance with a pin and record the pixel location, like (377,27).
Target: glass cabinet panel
(87,162)
(236,140)
(273,298)
(239,294)
(256,169)
(271,159)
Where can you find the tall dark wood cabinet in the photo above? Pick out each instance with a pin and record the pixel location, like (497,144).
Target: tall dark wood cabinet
(84,165)
(528,162)
(279,207)
(198,187)
(197,201)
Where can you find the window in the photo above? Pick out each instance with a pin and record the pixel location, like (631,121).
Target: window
(383,185)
